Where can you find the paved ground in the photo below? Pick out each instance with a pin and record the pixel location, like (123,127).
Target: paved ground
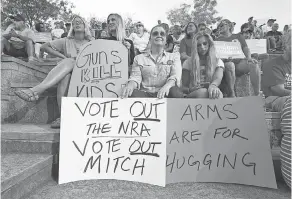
(114,189)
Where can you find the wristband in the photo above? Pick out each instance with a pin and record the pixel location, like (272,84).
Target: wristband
(213,85)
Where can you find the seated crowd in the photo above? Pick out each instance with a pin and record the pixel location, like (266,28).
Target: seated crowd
(173,65)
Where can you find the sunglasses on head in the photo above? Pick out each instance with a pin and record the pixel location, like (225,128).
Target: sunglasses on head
(202,44)
(156,33)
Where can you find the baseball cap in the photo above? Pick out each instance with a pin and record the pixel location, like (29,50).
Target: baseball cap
(17,17)
(272,20)
(68,24)
(139,23)
(250,18)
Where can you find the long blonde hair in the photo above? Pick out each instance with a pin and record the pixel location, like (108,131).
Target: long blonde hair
(87,33)
(120,31)
(195,59)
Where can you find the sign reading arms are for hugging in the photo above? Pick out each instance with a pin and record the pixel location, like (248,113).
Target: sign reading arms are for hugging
(165,141)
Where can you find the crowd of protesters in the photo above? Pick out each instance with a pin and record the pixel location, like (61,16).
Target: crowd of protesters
(175,62)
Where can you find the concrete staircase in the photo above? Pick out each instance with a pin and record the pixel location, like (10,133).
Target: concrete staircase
(29,149)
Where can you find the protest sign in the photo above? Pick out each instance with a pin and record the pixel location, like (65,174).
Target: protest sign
(42,37)
(172,140)
(222,140)
(225,50)
(258,46)
(110,138)
(101,70)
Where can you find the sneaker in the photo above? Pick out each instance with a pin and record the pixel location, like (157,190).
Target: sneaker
(56,124)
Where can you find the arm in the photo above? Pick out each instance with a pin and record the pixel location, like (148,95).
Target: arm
(183,51)
(176,70)
(217,77)
(136,74)
(48,48)
(279,90)
(186,79)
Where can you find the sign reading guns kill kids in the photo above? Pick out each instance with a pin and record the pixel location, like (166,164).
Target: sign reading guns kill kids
(101,70)
(166,141)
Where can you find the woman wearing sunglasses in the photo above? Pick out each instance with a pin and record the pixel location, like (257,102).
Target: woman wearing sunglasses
(140,39)
(155,73)
(238,67)
(203,71)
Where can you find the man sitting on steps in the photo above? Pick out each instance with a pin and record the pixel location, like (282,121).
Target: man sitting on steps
(276,84)
(17,39)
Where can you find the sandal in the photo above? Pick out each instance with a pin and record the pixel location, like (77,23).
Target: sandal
(56,124)
(27,95)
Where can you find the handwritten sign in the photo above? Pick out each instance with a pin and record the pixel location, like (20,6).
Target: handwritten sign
(222,140)
(113,139)
(257,45)
(101,70)
(225,50)
(166,141)
(42,37)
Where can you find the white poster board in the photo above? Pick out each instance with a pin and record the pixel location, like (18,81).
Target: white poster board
(101,70)
(106,138)
(223,140)
(200,140)
(225,50)
(258,46)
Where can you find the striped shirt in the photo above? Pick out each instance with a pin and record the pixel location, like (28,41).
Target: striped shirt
(151,75)
(285,154)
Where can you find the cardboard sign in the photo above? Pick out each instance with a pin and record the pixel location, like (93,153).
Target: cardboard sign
(218,141)
(225,50)
(42,37)
(172,140)
(113,139)
(101,70)
(257,45)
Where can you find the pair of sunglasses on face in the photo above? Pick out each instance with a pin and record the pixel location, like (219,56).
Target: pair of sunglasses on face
(139,25)
(156,33)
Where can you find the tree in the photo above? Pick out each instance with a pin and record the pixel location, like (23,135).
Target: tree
(202,11)
(38,10)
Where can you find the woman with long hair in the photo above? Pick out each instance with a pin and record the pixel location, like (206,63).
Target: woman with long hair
(67,49)
(203,71)
(117,31)
(185,49)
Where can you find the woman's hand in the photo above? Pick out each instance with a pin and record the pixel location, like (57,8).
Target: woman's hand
(127,44)
(251,61)
(128,89)
(164,91)
(214,92)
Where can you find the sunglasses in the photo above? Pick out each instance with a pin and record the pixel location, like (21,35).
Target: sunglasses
(139,25)
(156,33)
(202,44)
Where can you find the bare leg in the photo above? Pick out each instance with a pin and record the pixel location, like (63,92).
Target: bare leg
(4,44)
(254,70)
(55,75)
(62,89)
(29,47)
(230,78)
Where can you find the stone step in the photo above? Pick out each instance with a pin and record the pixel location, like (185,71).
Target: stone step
(29,138)
(115,189)
(17,74)
(23,173)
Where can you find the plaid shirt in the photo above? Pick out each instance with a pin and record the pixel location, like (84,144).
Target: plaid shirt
(151,75)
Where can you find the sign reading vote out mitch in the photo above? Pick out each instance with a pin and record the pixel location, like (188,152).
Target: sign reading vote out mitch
(101,70)
(166,141)
(222,140)
(106,138)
